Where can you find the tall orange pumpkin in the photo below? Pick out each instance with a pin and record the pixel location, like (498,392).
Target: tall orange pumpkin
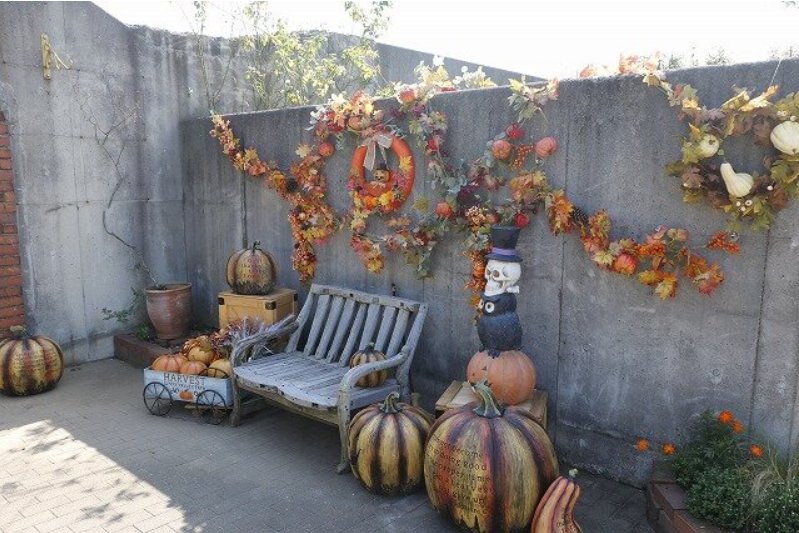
(511,374)
(29,365)
(251,271)
(487,466)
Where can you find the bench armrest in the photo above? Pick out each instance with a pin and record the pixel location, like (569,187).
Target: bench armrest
(354,374)
(241,347)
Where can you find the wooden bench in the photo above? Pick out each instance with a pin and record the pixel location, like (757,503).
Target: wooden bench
(312,377)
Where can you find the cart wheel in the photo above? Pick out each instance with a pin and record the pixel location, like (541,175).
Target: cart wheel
(157,398)
(211,407)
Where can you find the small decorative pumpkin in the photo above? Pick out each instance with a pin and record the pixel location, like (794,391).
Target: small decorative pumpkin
(487,466)
(708,146)
(501,149)
(186,395)
(511,374)
(251,271)
(326,148)
(170,362)
(29,365)
(221,368)
(555,512)
(386,443)
(546,147)
(193,368)
(200,349)
(785,137)
(738,183)
(369,355)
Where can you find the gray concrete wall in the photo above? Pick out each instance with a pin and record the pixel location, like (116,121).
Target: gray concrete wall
(64,178)
(618,363)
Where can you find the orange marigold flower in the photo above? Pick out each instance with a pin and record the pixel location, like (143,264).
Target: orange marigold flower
(756,450)
(737,427)
(642,445)
(669,449)
(725,417)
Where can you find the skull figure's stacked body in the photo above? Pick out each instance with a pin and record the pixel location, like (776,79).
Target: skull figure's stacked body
(498,326)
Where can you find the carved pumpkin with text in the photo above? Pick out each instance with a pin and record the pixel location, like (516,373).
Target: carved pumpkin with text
(386,444)
(29,365)
(251,271)
(487,466)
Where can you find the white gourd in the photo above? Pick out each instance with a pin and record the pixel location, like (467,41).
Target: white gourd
(738,183)
(708,146)
(785,137)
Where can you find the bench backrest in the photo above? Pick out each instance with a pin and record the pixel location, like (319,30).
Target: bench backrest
(337,322)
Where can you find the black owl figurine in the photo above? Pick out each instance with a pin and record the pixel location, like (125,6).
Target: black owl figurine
(498,327)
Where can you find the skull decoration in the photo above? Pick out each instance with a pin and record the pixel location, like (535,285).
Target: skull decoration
(502,277)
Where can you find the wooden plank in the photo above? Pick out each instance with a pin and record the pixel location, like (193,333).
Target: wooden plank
(330,327)
(371,325)
(536,406)
(349,348)
(316,327)
(302,319)
(333,353)
(398,334)
(367,298)
(386,327)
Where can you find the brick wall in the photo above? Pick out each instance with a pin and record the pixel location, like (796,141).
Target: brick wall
(12,310)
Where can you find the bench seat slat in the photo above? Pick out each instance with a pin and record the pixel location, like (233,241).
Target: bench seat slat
(386,326)
(319,319)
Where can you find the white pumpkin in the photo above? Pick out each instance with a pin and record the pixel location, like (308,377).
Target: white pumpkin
(785,137)
(708,146)
(738,183)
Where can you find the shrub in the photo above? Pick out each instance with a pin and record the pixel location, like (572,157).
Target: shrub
(778,511)
(714,444)
(721,496)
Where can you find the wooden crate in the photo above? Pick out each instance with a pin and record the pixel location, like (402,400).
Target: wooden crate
(188,385)
(271,308)
(460,393)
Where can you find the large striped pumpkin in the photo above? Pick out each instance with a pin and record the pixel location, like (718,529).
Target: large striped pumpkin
(251,271)
(487,466)
(29,365)
(386,445)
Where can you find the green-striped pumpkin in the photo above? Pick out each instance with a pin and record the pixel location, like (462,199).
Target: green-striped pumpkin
(488,466)
(29,365)
(386,445)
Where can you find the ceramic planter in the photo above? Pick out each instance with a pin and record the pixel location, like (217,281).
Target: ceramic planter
(169,310)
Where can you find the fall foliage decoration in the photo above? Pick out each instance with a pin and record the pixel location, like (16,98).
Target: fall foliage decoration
(200,349)
(386,444)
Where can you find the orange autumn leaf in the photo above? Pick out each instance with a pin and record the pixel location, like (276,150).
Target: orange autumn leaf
(667,288)
(559,211)
(650,277)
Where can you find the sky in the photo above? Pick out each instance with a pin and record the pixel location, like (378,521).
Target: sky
(547,39)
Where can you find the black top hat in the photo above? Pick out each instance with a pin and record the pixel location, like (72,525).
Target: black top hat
(503,244)
(380,166)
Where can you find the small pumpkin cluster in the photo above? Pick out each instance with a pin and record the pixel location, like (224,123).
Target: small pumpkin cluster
(198,356)
(488,467)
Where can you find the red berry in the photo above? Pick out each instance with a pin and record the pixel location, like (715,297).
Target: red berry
(521,220)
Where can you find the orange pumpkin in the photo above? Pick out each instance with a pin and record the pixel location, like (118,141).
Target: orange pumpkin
(369,355)
(200,349)
(221,368)
(193,368)
(170,362)
(186,395)
(511,374)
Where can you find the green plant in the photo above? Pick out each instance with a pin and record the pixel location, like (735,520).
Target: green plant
(123,316)
(714,444)
(778,511)
(144,332)
(721,496)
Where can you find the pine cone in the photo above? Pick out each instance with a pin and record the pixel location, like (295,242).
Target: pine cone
(580,217)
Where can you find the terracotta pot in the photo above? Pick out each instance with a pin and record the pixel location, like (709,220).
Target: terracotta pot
(169,310)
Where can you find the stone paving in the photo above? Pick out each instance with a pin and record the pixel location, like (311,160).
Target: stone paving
(89,457)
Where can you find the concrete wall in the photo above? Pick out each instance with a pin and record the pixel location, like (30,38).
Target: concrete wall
(142,80)
(618,363)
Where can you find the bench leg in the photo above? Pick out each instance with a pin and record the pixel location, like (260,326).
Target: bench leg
(235,415)
(343,429)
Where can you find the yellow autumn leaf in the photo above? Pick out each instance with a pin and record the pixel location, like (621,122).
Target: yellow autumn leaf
(405,164)
(303,150)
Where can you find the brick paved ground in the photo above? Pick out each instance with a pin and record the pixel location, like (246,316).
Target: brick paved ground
(89,457)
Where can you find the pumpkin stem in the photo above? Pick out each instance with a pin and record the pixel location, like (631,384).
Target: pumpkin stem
(390,406)
(370,345)
(255,245)
(19,332)
(489,406)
